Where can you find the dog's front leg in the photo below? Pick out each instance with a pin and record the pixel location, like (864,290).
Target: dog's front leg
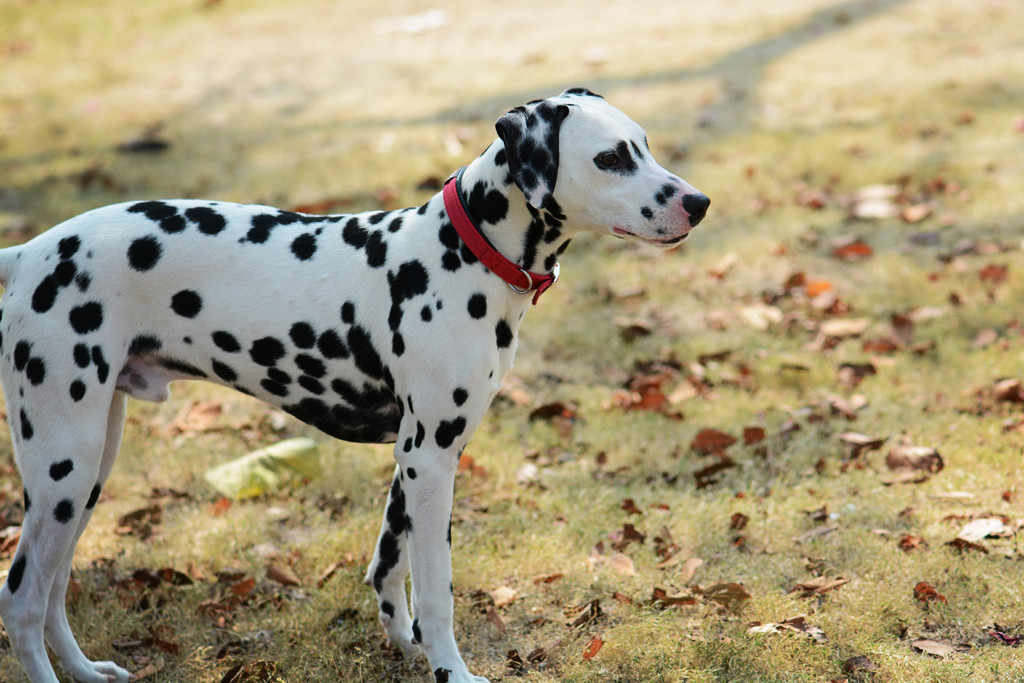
(390,568)
(427,490)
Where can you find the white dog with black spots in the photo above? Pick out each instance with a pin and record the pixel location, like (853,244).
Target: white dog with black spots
(380,327)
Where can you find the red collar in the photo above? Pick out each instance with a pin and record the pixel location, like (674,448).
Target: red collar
(519,279)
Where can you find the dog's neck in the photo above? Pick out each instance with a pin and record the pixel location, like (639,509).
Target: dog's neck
(532,238)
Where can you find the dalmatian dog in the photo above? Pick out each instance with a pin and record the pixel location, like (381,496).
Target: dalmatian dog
(380,327)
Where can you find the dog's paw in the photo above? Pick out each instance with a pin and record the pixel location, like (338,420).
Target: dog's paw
(443,675)
(100,672)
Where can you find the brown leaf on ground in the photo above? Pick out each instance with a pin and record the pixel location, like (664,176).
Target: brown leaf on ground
(591,612)
(995,274)
(593,647)
(753,435)
(630,506)
(710,441)
(792,625)
(926,593)
(857,444)
(548,578)
(910,542)
(731,596)
(859,666)
(854,250)
(660,599)
(706,475)
(552,410)
(965,546)
(282,575)
(915,458)
(818,586)
(496,620)
(738,521)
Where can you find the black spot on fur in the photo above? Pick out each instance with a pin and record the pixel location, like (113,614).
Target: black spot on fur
(303,335)
(16,574)
(59,470)
(209,221)
(503,334)
(274,388)
(376,251)
(313,367)
(311,385)
(477,306)
(261,227)
(27,431)
(45,294)
(304,246)
(226,341)
(225,372)
(86,318)
(65,273)
(143,253)
(278,375)
(77,390)
(411,472)
(417,635)
(64,511)
(459,396)
(331,345)
(387,608)
(348,313)
(182,367)
(154,211)
(441,674)
(22,353)
(448,431)
(142,344)
(387,556)
(426,315)
(28,501)
(68,247)
(420,434)
(102,367)
(647,213)
(353,234)
(81,355)
(186,303)
(395,225)
(266,351)
(93,497)
(407,447)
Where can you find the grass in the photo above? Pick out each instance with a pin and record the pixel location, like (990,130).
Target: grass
(761,107)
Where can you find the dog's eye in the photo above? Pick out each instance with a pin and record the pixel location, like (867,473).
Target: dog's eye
(607,160)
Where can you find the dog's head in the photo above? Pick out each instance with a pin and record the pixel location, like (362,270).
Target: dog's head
(577,155)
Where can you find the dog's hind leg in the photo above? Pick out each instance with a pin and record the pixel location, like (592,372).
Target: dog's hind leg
(63,461)
(390,568)
(57,630)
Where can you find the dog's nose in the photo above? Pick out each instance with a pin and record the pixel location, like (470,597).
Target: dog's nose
(697,206)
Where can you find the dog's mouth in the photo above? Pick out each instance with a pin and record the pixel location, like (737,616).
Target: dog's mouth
(664,243)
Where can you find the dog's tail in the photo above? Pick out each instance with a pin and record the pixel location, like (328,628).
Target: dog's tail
(8,264)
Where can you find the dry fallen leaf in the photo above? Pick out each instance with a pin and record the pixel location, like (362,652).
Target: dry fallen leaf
(982,528)
(593,647)
(926,593)
(792,625)
(919,458)
(622,564)
(503,596)
(282,575)
(818,586)
(712,441)
(933,647)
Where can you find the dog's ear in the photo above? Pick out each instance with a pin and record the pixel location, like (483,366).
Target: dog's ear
(530,134)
